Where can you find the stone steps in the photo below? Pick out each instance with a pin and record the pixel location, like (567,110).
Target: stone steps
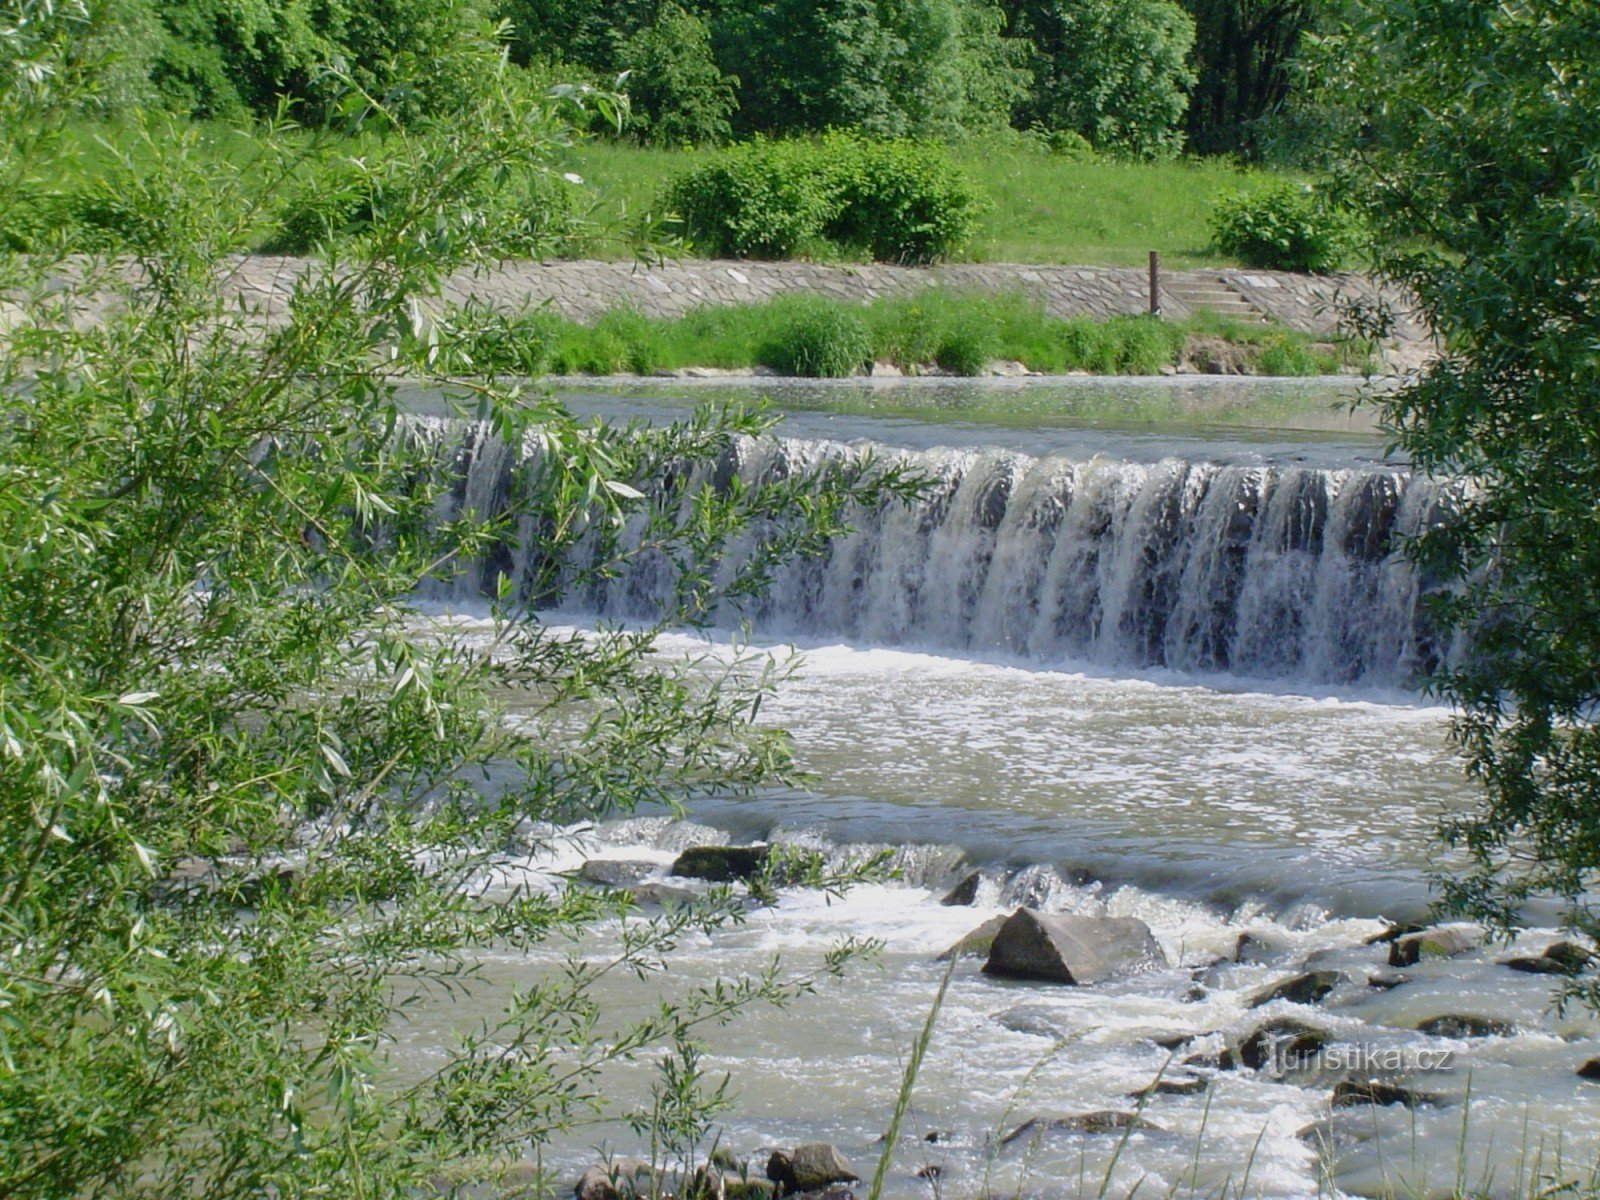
(1210,294)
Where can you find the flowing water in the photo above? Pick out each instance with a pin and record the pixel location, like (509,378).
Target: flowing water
(1156,667)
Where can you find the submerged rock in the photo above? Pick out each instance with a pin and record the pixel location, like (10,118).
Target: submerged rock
(809,1168)
(1174,1085)
(1091,1122)
(721,864)
(1308,988)
(1590,1070)
(1562,958)
(1033,1019)
(1071,949)
(1452,1025)
(1255,949)
(1352,1092)
(965,893)
(615,872)
(1443,941)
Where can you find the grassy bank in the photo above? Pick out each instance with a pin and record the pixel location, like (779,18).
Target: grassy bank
(1038,207)
(955,333)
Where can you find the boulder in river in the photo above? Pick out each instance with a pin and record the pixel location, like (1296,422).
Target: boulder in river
(809,1168)
(1035,1019)
(1172,1085)
(1442,941)
(1071,949)
(975,943)
(615,1181)
(1284,1043)
(721,864)
(1254,948)
(1308,988)
(965,893)
(1590,1070)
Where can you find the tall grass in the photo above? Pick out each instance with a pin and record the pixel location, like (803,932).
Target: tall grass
(808,335)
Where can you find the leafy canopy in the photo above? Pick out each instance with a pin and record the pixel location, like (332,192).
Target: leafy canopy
(1474,151)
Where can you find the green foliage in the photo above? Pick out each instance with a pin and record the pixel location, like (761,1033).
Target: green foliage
(896,201)
(1114,71)
(679,96)
(1244,56)
(817,338)
(1284,228)
(754,200)
(1471,134)
(249,795)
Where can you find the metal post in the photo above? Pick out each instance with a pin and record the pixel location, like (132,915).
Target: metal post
(1155,283)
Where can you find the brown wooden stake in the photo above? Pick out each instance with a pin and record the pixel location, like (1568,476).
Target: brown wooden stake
(1155,283)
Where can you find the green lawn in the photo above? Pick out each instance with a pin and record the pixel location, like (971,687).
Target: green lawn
(1041,208)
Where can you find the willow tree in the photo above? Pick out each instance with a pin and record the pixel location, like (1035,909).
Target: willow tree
(1472,138)
(244,816)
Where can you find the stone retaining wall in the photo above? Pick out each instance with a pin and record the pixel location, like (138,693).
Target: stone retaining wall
(584,290)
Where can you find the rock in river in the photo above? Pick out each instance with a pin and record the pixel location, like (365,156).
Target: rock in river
(1071,949)
(809,1168)
(721,864)
(1308,988)
(1442,941)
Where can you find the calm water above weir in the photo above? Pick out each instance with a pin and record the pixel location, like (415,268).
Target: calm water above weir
(1136,665)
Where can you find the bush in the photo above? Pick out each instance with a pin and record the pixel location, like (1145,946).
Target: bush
(755,200)
(679,96)
(898,201)
(818,338)
(1284,228)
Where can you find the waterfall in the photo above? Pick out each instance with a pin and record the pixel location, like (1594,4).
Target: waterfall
(1264,572)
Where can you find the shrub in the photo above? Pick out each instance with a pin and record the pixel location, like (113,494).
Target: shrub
(679,96)
(755,200)
(968,347)
(818,338)
(900,201)
(1284,228)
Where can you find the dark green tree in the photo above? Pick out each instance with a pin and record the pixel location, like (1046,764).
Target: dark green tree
(1471,128)
(1115,72)
(1244,54)
(679,96)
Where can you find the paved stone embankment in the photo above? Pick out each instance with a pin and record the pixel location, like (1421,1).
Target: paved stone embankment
(584,290)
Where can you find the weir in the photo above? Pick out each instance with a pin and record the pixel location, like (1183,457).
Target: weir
(1284,572)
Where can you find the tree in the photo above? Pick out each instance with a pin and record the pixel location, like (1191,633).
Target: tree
(1244,54)
(678,95)
(247,795)
(1471,128)
(1113,71)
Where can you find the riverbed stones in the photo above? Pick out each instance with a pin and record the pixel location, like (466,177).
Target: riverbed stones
(965,893)
(809,1168)
(722,864)
(1071,950)
(1443,941)
(975,943)
(1172,1085)
(1034,1019)
(1307,988)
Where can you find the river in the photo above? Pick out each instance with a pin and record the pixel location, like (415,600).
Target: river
(1146,650)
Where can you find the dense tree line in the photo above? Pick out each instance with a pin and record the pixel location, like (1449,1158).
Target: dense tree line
(1136,77)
